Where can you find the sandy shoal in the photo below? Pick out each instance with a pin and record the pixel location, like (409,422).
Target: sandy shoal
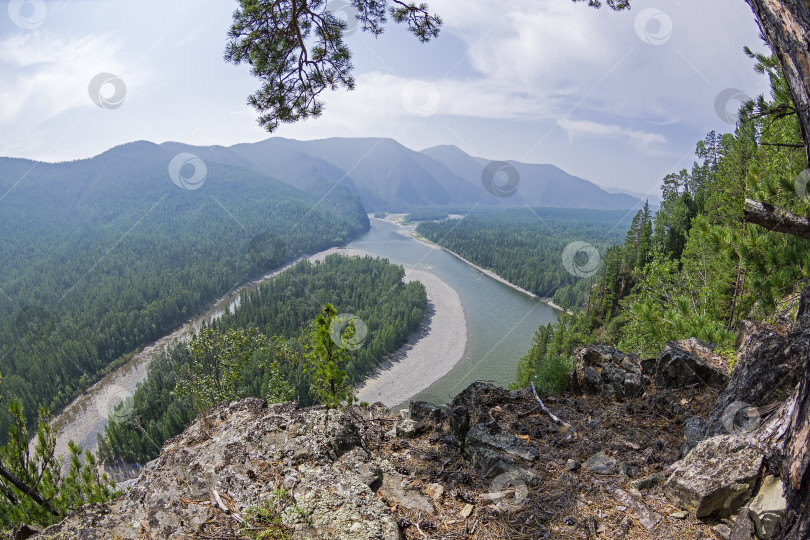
(432,350)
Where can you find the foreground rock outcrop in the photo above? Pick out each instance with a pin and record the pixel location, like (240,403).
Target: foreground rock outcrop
(665,447)
(490,464)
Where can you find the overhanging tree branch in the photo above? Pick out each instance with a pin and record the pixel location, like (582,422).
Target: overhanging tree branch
(776,219)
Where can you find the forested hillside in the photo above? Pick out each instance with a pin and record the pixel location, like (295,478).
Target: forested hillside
(695,268)
(526,246)
(101,256)
(282,308)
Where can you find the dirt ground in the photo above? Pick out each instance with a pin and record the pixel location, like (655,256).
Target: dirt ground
(645,435)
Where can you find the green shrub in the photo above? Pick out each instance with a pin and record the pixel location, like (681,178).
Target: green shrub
(551,375)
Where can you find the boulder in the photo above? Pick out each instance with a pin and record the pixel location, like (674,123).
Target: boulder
(717,477)
(768,506)
(770,361)
(687,363)
(599,369)
(459,424)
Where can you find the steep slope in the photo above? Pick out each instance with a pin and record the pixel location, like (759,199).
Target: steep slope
(539,185)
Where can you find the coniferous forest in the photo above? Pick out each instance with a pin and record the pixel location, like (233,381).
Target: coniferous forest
(695,268)
(526,246)
(101,256)
(282,309)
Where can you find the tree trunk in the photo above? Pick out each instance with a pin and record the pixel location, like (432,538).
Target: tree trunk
(785,24)
(795,524)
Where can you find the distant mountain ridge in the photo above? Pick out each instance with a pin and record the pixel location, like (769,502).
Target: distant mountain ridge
(387,176)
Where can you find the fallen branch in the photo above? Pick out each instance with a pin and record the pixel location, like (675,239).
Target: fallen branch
(224,508)
(551,415)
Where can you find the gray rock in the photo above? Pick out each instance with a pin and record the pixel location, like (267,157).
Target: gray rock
(633,385)
(717,477)
(770,361)
(459,424)
(593,380)
(600,463)
(768,506)
(491,451)
(648,366)
(396,489)
(428,413)
(247,450)
(649,481)
(743,528)
(630,364)
(606,371)
(693,429)
(409,429)
(677,367)
(572,465)
(679,515)
(721,531)
(24,531)
(647,517)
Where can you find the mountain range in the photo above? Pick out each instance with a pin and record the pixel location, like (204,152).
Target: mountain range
(389,177)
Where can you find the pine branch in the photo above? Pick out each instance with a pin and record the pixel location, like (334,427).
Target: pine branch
(28,491)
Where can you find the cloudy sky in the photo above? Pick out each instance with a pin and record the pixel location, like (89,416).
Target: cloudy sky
(616,98)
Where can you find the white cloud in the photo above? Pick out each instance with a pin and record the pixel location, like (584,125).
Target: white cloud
(587,127)
(45,75)
(516,67)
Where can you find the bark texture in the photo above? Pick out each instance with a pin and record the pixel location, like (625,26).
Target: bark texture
(785,24)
